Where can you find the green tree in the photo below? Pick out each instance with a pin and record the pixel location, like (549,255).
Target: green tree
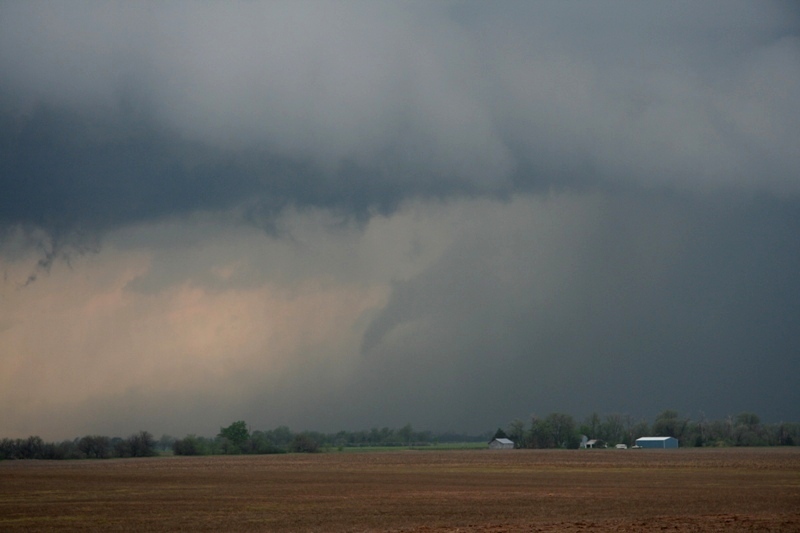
(261,443)
(141,444)
(516,432)
(563,430)
(189,445)
(95,446)
(749,420)
(748,431)
(613,429)
(281,436)
(668,424)
(405,433)
(697,432)
(786,434)
(304,443)
(236,434)
(591,426)
(540,434)
(499,434)
(639,429)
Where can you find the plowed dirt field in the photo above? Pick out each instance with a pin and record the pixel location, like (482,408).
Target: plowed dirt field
(405,491)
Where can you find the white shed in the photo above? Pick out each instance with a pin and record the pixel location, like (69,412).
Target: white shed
(501,444)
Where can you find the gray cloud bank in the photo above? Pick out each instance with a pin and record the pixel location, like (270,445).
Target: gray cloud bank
(114,113)
(610,190)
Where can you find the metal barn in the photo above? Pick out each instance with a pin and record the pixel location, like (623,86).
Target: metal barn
(501,444)
(657,442)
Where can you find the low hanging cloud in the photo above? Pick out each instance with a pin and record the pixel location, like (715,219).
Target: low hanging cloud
(456,316)
(576,303)
(121,113)
(473,212)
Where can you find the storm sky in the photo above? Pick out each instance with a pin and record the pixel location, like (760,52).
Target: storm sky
(343,215)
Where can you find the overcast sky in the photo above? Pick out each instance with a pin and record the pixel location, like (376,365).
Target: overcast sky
(343,215)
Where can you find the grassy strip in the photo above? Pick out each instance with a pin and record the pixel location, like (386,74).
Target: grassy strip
(432,447)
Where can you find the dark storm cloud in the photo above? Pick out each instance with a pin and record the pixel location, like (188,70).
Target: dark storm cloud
(627,304)
(115,113)
(59,178)
(558,206)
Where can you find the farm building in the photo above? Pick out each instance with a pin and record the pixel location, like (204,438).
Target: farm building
(657,442)
(501,444)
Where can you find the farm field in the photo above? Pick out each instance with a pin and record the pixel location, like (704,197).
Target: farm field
(744,489)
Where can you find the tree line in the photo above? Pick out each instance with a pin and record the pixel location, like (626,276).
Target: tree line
(237,439)
(556,430)
(233,439)
(141,444)
(559,430)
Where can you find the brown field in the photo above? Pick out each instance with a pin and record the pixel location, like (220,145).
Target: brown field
(479,490)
